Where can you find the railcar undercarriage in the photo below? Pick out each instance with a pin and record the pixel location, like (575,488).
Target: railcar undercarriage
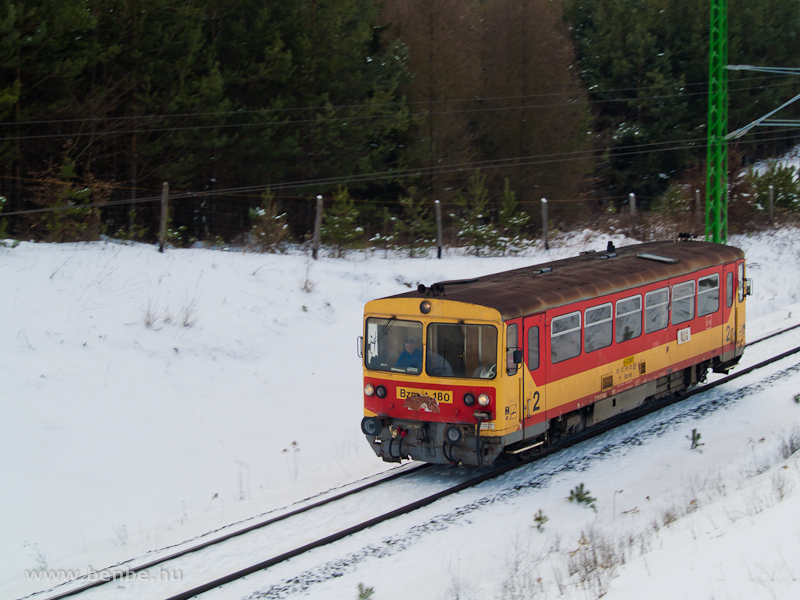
(458,444)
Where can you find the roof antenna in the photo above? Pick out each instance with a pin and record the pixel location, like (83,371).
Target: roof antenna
(610,247)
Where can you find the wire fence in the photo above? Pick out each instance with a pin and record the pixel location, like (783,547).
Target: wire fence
(229,218)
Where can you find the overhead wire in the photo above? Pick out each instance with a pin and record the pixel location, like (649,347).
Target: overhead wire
(421,171)
(580,92)
(348,118)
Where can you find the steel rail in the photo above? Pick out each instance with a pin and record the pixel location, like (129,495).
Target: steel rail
(521,461)
(232,534)
(479,479)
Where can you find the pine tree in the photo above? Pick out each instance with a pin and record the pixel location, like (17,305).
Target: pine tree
(269,232)
(475,228)
(415,226)
(339,229)
(511,222)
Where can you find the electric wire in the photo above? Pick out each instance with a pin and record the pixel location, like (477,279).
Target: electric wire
(580,93)
(412,172)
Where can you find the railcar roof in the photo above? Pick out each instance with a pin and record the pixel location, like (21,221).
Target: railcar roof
(529,290)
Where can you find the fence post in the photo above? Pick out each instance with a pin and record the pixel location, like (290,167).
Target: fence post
(317,229)
(162,230)
(438,207)
(632,198)
(697,210)
(771,205)
(544,224)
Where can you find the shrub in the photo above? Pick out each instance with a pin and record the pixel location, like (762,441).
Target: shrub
(339,228)
(364,593)
(540,519)
(695,439)
(415,226)
(269,231)
(581,495)
(785,183)
(511,222)
(77,201)
(475,229)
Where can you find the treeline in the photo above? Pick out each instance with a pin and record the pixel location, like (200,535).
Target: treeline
(394,103)
(120,95)
(645,66)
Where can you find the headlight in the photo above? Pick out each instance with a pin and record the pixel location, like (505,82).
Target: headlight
(381,392)
(425,307)
(369,390)
(483,400)
(469,399)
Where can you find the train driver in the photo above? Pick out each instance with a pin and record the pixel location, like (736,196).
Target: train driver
(411,357)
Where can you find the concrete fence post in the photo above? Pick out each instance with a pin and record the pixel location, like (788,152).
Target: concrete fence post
(162,229)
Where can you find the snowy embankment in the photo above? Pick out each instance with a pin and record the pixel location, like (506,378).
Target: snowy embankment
(149,398)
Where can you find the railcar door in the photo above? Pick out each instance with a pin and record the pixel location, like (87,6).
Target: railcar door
(741,294)
(533,377)
(729,325)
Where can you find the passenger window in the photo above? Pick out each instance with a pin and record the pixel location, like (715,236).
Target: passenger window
(656,310)
(729,290)
(565,337)
(597,331)
(511,366)
(533,348)
(707,295)
(682,302)
(629,319)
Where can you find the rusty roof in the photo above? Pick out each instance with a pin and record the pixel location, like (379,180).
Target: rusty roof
(528,290)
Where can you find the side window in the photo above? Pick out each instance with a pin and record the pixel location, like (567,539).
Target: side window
(533,348)
(707,295)
(565,337)
(729,290)
(740,282)
(682,302)
(629,319)
(511,346)
(597,331)
(656,310)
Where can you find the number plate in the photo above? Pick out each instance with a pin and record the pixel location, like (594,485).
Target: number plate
(443,396)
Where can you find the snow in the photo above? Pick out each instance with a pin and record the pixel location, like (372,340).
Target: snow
(150,398)
(789,160)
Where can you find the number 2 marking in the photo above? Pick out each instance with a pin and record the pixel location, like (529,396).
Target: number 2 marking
(727,333)
(535,403)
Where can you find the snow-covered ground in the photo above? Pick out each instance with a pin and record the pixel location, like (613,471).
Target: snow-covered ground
(149,398)
(789,160)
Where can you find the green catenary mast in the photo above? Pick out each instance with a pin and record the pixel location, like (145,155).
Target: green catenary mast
(717,180)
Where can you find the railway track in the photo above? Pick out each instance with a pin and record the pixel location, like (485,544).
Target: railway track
(481,476)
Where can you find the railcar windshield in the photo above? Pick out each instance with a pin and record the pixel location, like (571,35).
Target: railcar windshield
(393,345)
(459,350)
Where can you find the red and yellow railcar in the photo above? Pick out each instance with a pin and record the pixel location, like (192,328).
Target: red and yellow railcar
(465,371)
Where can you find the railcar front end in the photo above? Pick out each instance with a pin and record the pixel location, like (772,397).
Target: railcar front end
(434,385)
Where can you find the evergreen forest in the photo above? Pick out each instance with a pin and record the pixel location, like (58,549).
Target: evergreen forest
(251,109)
